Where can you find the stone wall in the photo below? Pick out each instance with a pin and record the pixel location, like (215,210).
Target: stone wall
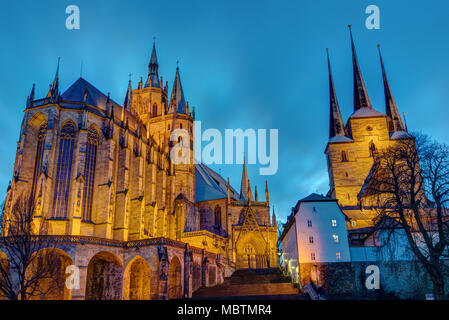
(398,280)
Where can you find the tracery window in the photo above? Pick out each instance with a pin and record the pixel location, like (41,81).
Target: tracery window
(89,173)
(39,155)
(217,212)
(64,170)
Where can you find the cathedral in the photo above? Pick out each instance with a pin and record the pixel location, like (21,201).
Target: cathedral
(351,148)
(136,224)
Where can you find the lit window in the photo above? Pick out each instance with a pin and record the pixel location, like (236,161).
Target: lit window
(310,239)
(39,155)
(353,223)
(334,223)
(309,223)
(338,255)
(64,170)
(89,172)
(312,256)
(335,238)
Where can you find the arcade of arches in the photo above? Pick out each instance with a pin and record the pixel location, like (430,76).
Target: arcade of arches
(117,274)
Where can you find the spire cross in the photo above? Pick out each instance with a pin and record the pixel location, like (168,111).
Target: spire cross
(177,64)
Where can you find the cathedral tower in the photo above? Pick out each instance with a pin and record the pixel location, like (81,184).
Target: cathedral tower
(351,149)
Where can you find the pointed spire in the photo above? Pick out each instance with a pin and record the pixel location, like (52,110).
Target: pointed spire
(31,97)
(177,100)
(245,182)
(128,98)
(153,67)
(256,196)
(267,195)
(394,120)
(273,220)
(336,127)
(361,99)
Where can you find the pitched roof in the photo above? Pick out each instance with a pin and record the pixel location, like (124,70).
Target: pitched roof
(316,197)
(209,185)
(400,135)
(96,98)
(338,139)
(366,113)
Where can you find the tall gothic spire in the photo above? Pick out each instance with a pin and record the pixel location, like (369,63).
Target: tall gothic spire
(177,100)
(394,120)
(128,98)
(153,70)
(361,99)
(336,127)
(53,92)
(245,188)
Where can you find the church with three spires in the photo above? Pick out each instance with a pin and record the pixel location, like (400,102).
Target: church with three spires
(135,223)
(351,148)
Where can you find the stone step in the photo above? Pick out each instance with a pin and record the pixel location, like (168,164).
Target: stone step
(252,289)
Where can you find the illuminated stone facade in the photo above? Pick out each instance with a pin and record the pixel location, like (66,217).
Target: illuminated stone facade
(351,148)
(119,208)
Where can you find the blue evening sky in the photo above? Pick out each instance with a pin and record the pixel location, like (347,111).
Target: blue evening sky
(244,64)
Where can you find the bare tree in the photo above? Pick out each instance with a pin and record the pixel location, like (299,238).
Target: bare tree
(29,268)
(410,189)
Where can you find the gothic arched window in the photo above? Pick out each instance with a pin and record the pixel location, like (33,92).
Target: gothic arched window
(89,172)
(154,110)
(344,156)
(39,155)
(372,149)
(64,170)
(217,212)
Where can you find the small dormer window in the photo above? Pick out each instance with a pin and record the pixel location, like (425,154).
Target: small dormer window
(369,128)
(334,223)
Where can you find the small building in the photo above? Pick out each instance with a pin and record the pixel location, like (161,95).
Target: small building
(314,233)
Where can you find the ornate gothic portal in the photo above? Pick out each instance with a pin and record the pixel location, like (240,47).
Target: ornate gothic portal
(104,277)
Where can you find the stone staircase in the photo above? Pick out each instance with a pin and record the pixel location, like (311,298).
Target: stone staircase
(252,284)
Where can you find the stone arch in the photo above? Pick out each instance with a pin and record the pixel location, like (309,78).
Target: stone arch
(51,287)
(196,276)
(4,262)
(137,280)
(104,277)
(174,279)
(36,120)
